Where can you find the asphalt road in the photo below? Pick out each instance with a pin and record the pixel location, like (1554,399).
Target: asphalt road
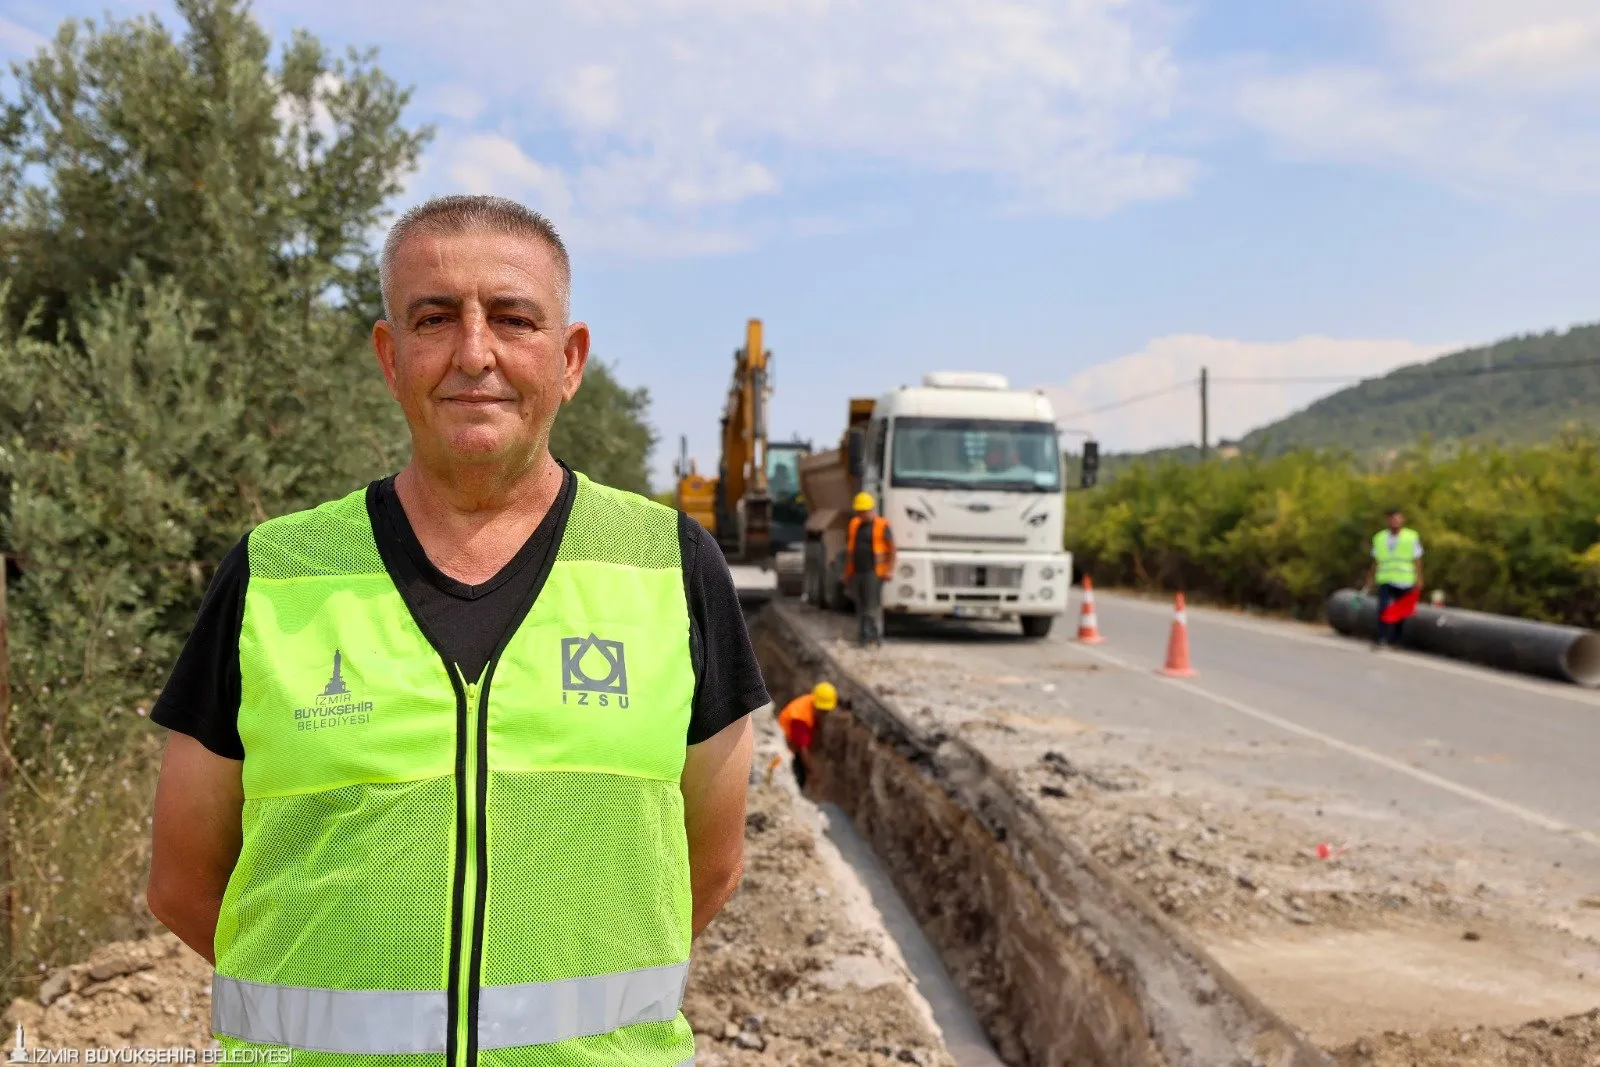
(1468,753)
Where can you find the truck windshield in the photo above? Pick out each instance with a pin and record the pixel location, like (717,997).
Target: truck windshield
(933,453)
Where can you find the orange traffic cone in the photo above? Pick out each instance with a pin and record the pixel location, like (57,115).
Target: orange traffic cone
(1088,625)
(1178,645)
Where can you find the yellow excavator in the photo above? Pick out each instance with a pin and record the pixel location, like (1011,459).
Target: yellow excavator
(753,505)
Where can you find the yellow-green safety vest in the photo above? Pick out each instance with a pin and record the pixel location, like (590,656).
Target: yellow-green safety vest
(1397,565)
(440,871)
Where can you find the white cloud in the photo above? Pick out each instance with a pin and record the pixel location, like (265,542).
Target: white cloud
(18,40)
(663,110)
(453,100)
(1536,46)
(1482,95)
(494,163)
(1236,408)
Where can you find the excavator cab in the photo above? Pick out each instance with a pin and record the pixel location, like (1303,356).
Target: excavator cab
(788,503)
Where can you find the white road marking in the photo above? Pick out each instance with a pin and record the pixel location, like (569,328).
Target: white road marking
(1290,632)
(1488,800)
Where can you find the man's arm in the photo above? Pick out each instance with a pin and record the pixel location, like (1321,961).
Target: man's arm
(716,775)
(195,842)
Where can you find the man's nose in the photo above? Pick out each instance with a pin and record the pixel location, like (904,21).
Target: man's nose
(475,352)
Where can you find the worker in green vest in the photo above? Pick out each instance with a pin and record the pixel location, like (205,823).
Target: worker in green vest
(1397,571)
(458,762)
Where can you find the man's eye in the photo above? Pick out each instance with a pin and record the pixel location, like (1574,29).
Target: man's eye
(430,320)
(513,321)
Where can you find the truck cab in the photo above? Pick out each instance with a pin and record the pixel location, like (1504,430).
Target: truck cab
(968,472)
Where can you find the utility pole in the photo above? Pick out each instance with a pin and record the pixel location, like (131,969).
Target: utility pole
(1205,418)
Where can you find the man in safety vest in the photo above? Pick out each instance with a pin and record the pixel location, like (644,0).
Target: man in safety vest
(868,563)
(458,762)
(1397,570)
(798,721)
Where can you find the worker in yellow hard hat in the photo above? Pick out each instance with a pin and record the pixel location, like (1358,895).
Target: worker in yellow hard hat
(798,721)
(868,562)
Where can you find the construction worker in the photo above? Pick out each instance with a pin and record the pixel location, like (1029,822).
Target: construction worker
(868,563)
(458,762)
(798,721)
(1397,570)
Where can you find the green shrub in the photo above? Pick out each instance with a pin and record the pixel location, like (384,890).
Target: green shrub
(1515,531)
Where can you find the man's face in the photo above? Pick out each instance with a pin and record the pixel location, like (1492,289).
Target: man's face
(478,352)
(1396,522)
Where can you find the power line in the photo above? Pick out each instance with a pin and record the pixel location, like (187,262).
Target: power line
(1404,375)
(1125,401)
(1326,379)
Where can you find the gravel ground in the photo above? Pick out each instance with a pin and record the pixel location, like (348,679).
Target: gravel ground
(796,971)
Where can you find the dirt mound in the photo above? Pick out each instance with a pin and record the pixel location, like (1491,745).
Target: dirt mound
(1570,1042)
(786,975)
(154,993)
(791,973)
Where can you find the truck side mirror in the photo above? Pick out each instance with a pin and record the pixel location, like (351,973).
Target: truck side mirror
(1091,464)
(855,452)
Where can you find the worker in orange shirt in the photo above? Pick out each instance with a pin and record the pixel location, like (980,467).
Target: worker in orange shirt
(868,563)
(798,721)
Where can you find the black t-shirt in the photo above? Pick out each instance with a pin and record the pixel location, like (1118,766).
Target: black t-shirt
(466,622)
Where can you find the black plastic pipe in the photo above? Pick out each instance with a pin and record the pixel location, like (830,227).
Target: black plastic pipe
(1565,653)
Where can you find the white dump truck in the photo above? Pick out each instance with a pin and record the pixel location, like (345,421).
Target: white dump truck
(968,471)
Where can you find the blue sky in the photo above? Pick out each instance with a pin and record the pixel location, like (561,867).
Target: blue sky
(1091,196)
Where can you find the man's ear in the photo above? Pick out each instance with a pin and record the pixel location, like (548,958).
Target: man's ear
(575,350)
(383,347)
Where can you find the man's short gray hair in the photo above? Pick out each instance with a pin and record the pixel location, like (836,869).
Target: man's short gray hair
(449,215)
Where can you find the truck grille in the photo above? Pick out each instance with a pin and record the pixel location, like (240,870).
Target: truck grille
(976,576)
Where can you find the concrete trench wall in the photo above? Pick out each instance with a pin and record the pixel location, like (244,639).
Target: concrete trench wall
(1063,962)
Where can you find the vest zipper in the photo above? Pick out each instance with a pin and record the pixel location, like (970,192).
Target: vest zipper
(470,931)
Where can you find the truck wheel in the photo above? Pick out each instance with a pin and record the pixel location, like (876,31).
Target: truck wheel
(1037,625)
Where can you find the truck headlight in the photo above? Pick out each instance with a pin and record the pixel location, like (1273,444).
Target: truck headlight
(1047,572)
(906,591)
(906,570)
(1046,593)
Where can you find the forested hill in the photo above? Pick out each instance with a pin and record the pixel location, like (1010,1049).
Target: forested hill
(1519,390)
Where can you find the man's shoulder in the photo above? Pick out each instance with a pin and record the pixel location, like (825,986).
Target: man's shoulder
(619,526)
(336,533)
(623,499)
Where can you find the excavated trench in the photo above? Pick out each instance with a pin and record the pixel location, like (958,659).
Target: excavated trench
(1062,961)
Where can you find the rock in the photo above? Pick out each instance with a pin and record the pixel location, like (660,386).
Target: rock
(753,1023)
(751,1041)
(1471,935)
(730,1032)
(54,987)
(117,964)
(816,937)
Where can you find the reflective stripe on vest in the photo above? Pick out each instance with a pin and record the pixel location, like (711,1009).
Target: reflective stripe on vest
(880,546)
(438,864)
(1397,565)
(372,1022)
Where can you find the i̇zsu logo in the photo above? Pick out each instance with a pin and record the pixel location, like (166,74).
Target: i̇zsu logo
(592,667)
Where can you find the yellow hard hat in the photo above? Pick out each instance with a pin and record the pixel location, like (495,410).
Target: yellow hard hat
(863,502)
(824,697)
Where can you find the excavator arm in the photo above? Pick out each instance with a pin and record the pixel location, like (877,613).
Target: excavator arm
(737,504)
(744,500)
